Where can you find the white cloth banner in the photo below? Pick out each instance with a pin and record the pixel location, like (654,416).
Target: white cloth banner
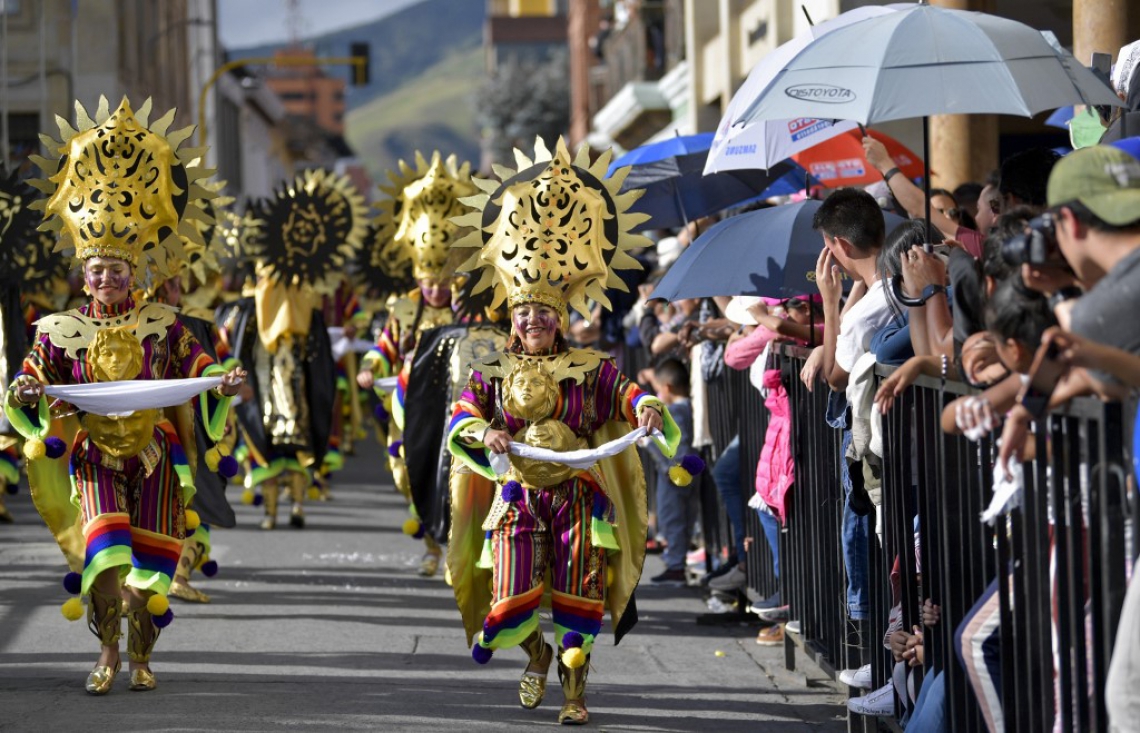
(342,344)
(120,399)
(580,459)
(387,384)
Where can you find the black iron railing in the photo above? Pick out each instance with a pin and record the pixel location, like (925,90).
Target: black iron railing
(1059,560)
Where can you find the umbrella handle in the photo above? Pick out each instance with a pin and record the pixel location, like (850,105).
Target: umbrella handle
(901,297)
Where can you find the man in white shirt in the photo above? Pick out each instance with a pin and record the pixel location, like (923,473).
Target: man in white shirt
(853,230)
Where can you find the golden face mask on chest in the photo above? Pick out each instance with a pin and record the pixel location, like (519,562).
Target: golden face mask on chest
(530,392)
(116,355)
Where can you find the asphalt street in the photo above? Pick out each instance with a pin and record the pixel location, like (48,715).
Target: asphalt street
(331,628)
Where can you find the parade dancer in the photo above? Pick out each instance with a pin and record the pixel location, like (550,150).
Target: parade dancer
(551,235)
(300,239)
(121,195)
(415,223)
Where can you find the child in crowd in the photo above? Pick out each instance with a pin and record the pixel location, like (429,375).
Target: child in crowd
(675,510)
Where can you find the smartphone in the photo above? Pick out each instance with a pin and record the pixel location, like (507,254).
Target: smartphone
(1044,375)
(940,249)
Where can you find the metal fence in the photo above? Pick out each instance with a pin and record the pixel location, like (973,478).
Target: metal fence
(1060,560)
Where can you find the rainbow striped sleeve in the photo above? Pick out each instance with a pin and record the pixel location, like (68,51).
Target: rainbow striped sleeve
(469,418)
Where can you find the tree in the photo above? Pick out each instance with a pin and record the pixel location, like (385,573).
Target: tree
(524,99)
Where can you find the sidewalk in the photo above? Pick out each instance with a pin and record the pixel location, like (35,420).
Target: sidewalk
(330,628)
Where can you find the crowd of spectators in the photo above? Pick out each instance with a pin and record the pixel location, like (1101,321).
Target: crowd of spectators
(1024,286)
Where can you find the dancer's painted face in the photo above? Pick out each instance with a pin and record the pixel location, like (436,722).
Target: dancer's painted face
(108,279)
(536,325)
(437,293)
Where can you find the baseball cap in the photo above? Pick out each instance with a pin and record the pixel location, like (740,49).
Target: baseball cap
(1106,180)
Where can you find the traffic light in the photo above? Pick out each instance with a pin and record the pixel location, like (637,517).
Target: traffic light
(360,69)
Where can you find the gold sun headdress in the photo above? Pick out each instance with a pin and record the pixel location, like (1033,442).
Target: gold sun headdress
(306,232)
(121,187)
(553,232)
(416,221)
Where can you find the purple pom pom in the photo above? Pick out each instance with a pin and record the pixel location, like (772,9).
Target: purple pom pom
(54,447)
(258,499)
(164,620)
(380,413)
(572,640)
(693,463)
(210,568)
(73,583)
(227,467)
(512,492)
(599,510)
(419,534)
(394,448)
(12,488)
(481,654)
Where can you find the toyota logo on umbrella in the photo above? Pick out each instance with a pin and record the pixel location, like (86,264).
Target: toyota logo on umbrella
(825,93)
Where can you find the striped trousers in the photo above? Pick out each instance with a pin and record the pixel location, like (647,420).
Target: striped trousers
(133,513)
(548,532)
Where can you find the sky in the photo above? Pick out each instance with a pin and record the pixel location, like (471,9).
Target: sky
(254,22)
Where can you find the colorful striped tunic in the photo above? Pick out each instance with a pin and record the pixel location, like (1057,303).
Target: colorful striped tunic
(133,507)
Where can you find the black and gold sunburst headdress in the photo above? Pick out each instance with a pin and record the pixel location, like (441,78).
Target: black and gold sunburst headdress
(416,225)
(553,232)
(308,229)
(18,222)
(122,188)
(380,268)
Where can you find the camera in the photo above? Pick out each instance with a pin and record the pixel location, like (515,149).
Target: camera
(1036,246)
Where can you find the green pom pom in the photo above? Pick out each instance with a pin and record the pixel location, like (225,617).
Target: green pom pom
(157,605)
(72,609)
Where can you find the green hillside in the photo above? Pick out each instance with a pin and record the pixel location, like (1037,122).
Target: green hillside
(431,111)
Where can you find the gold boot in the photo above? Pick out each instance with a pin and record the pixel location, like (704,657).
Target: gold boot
(299,483)
(269,492)
(532,686)
(140,643)
(104,618)
(180,587)
(429,563)
(574,689)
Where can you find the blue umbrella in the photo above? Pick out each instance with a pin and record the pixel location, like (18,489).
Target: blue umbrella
(768,252)
(1130,145)
(676,192)
(1060,118)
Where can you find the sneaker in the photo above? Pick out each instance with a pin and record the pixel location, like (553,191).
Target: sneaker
(654,547)
(860,678)
(724,569)
(794,627)
(771,636)
(696,557)
(734,579)
(772,601)
(774,615)
(880,703)
(672,576)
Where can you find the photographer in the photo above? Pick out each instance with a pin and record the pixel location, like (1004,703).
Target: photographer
(1094,224)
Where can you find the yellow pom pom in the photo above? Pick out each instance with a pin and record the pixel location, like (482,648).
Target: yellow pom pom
(247,497)
(574,658)
(72,609)
(157,605)
(34,449)
(223,449)
(213,456)
(192,519)
(411,526)
(680,476)
(609,577)
(314,493)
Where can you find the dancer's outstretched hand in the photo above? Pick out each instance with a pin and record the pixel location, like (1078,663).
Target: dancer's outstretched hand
(232,381)
(498,441)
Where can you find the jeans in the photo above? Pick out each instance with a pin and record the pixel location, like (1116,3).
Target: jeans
(855,533)
(674,520)
(771,527)
(726,474)
(929,714)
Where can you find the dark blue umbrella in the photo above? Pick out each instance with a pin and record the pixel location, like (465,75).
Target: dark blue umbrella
(769,252)
(676,192)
